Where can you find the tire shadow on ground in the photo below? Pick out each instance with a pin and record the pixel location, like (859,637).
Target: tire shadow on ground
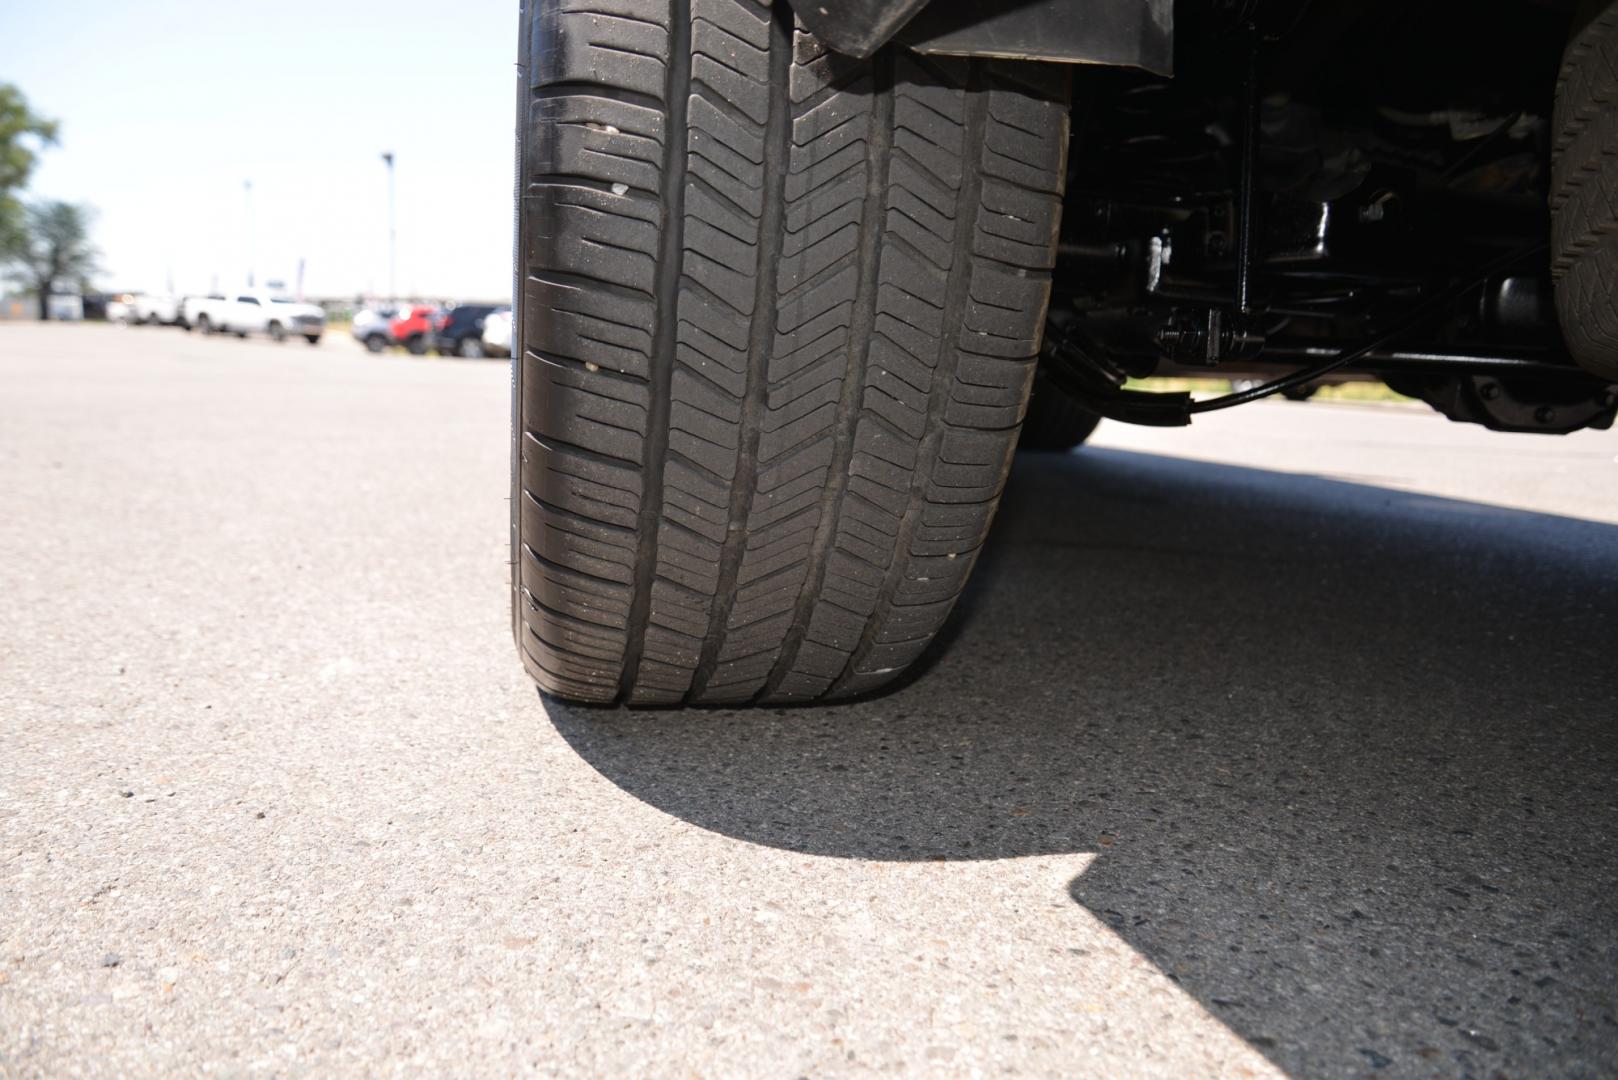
(1348,755)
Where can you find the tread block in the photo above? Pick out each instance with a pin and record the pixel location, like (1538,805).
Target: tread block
(577,543)
(590,412)
(1017,226)
(612,238)
(595,138)
(626,41)
(574,320)
(989,392)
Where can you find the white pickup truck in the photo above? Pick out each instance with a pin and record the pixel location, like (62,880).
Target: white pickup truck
(253,313)
(153,308)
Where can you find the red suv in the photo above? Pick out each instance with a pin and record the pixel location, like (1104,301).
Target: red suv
(414,330)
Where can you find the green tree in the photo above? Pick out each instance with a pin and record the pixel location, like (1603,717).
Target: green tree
(56,249)
(21,133)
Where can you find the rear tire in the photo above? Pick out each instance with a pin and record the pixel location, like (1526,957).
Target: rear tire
(277,332)
(1055,422)
(1584,190)
(376,343)
(416,346)
(470,348)
(780,314)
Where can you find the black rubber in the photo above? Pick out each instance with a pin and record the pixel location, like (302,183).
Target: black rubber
(779,313)
(1584,190)
(1055,422)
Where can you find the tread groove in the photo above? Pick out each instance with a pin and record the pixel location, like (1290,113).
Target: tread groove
(590,88)
(669,268)
(565,280)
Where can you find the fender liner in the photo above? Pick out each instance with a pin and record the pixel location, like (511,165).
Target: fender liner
(1124,33)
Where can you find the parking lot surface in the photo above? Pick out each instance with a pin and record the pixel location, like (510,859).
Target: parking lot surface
(1286,744)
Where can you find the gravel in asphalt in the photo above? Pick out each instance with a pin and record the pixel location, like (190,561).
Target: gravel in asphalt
(1286,744)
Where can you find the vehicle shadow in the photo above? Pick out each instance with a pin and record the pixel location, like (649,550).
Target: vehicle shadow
(1348,755)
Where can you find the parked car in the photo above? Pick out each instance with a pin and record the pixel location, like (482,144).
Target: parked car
(146,309)
(459,331)
(497,332)
(768,442)
(254,313)
(414,329)
(204,314)
(373,327)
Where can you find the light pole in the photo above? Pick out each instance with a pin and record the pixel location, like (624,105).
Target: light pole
(247,187)
(393,294)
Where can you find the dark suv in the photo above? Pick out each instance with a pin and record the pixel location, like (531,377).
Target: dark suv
(459,331)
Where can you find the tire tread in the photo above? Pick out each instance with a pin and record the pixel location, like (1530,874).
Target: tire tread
(780,314)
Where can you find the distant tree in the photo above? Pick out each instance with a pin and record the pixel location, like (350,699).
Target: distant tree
(20,128)
(56,249)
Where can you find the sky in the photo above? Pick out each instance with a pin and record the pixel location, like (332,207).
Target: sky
(168,107)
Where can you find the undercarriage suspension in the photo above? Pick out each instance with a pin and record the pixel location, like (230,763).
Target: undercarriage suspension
(1250,232)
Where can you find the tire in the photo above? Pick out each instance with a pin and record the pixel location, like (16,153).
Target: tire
(470,347)
(375,343)
(277,332)
(241,333)
(313,339)
(713,507)
(1055,422)
(416,346)
(204,324)
(1584,190)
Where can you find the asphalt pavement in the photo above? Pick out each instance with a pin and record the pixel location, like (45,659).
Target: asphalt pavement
(1287,744)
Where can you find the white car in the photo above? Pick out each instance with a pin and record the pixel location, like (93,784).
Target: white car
(497,332)
(255,313)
